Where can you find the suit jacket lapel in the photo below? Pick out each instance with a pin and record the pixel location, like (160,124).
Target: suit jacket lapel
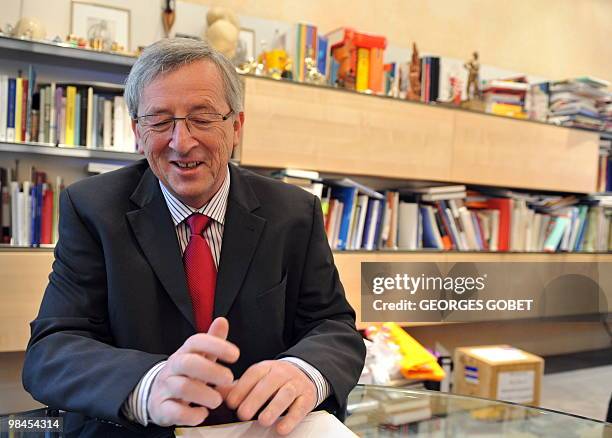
(155,232)
(240,237)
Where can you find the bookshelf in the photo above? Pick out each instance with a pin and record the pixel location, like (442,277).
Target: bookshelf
(332,131)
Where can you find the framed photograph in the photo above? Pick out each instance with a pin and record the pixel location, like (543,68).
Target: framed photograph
(106,24)
(246,46)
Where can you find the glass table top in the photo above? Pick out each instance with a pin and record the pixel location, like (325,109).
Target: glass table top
(379,412)
(376,411)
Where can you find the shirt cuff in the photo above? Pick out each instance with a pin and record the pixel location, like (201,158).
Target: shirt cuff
(320,382)
(135,407)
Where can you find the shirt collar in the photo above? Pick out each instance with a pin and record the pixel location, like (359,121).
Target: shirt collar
(215,208)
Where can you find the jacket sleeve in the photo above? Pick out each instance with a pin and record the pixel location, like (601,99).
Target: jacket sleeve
(71,362)
(324,329)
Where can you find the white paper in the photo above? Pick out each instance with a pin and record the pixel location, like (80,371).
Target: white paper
(498,354)
(516,386)
(315,425)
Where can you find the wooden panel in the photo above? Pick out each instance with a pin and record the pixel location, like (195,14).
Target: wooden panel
(513,153)
(290,125)
(23,276)
(349,267)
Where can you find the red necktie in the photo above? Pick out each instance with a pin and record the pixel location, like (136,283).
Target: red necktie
(200,272)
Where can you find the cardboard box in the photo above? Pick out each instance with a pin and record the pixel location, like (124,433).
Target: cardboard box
(498,372)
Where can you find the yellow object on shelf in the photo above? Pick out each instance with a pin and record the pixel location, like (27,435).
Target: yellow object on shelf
(417,362)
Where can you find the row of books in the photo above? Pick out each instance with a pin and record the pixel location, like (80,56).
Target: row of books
(29,209)
(68,114)
(454,218)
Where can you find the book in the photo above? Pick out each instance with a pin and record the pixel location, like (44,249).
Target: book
(363,69)
(316,424)
(11,133)
(4,98)
(18,109)
(408,226)
(376,71)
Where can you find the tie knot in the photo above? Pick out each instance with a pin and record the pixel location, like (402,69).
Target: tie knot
(197,223)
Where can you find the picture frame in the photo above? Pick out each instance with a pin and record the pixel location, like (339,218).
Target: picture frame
(246,45)
(107,24)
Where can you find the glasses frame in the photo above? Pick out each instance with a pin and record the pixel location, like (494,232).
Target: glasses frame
(186,119)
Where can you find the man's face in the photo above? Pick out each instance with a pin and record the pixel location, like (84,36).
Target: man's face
(195,88)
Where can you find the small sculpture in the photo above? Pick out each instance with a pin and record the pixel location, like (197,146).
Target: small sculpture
(414,75)
(251,67)
(222,31)
(313,75)
(473,82)
(29,28)
(168,17)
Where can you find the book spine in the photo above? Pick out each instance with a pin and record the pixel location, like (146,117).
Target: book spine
(11,109)
(363,69)
(24,110)
(70,115)
(3,106)
(29,103)
(18,112)
(52,114)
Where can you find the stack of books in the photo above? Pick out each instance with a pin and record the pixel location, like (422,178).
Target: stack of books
(356,60)
(506,97)
(575,102)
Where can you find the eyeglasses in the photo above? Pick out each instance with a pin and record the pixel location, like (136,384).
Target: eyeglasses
(164,124)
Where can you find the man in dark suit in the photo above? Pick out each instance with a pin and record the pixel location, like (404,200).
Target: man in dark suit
(183,284)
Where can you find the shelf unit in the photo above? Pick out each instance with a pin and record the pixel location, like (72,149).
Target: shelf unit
(332,131)
(24,273)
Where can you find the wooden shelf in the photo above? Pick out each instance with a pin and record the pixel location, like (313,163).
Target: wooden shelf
(68,151)
(349,266)
(330,130)
(24,273)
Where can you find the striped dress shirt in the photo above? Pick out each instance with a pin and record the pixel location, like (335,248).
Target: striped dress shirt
(135,407)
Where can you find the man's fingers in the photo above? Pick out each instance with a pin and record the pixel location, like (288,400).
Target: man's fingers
(219,328)
(198,367)
(298,410)
(176,413)
(279,404)
(246,383)
(259,396)
(224,390)
(193,391)
(206,344)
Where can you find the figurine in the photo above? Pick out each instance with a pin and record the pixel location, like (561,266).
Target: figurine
(222,31)
(168,17)
(414,75)
(473,82)
(313,75)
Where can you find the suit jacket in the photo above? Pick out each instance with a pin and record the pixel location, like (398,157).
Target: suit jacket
(117,300)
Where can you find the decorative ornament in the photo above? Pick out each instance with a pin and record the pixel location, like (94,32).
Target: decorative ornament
(223,29)
(168,17)
(313,75)
(29,28)
(414,75)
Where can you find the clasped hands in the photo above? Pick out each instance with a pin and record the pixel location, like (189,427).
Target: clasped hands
(192,382)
